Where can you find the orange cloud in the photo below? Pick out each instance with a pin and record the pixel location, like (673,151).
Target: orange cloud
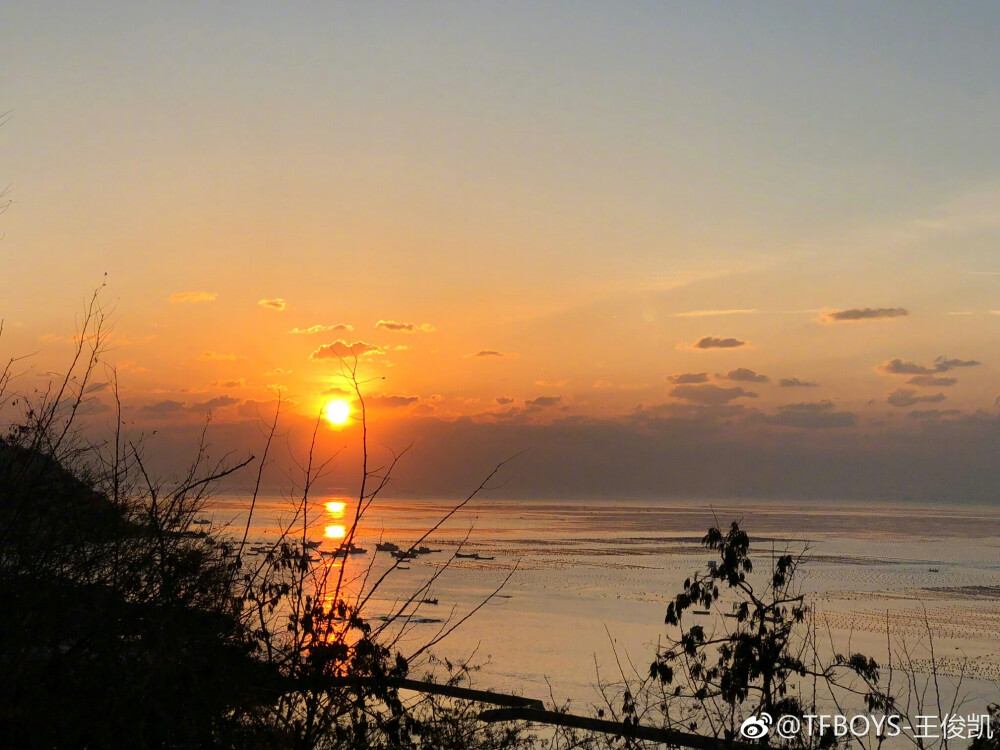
(903,397)
(322,329)
(941,364)
(392,325)
(688,378)
(163,408)
(543,401)
(236,383)
(714,342)
(744,375)
(710,394)
(928,381)
(219,402)
(796,383)
(488,353)
(340,349)
(273,304)
(392,401)
(862,313)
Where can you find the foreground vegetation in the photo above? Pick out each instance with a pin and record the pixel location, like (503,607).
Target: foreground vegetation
(128,625)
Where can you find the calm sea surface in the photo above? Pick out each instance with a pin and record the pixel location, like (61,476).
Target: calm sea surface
(592,579)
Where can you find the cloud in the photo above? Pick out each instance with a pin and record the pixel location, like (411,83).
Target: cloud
(693,414)
(322,329)
(273,304)
(392,402)
(551,384)
(340,349)
(710,313)
(689,377)
(392,325)
(744,375)
(216,356)
(192,297)
(162,408)
(933,413)
(237,383)
(712,342)
(811,415)
(932,380)
(900,367)
(862,313)
(543,401)
(504,400)
(941,364)
(219,402)
(796,383)
(486,353)
(710,394)
(903,397)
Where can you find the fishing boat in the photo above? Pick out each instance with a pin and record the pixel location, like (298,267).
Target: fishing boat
(349,549)
(386,547)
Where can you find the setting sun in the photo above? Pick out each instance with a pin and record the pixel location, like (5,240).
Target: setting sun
(337,412)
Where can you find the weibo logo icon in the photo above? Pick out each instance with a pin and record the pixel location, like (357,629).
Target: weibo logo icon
(756,727)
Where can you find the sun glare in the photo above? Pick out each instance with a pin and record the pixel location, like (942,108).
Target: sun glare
(335,506)
(337,412)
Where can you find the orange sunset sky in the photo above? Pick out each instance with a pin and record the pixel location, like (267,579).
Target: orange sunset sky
(672,248)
